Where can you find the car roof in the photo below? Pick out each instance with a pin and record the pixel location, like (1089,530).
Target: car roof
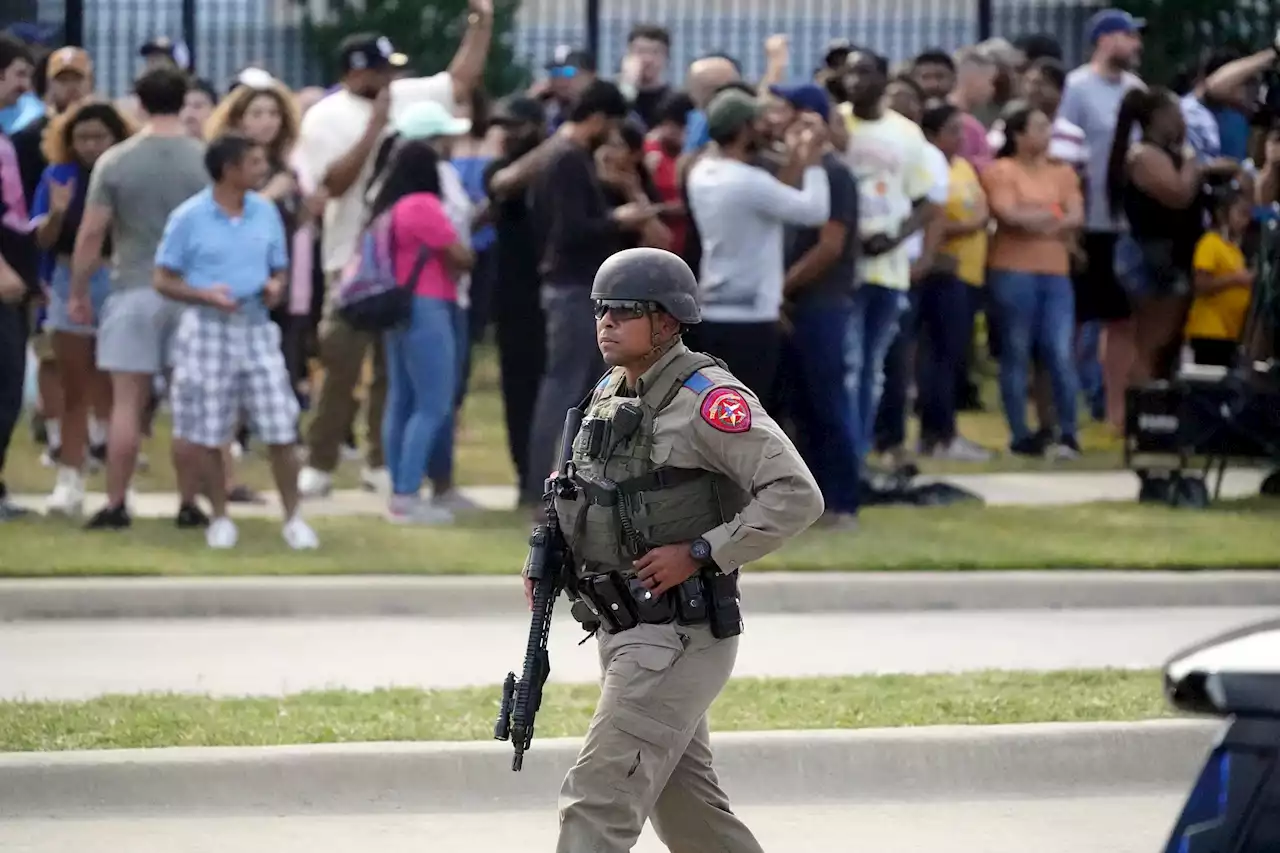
(1232,674)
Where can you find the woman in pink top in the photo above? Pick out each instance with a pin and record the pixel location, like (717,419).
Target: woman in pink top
(422,369)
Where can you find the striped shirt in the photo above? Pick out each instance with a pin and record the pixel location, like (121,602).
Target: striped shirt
(1066,144)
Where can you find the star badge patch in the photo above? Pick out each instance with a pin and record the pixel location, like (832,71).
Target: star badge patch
(727,410)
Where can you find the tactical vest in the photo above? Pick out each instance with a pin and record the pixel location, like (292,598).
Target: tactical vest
(627,504)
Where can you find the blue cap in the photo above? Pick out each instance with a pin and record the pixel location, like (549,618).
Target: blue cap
(806,97)
(1109,21)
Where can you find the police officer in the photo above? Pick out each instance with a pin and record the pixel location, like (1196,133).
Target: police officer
(682,480)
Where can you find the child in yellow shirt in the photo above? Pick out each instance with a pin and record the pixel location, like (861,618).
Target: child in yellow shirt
(1223,282)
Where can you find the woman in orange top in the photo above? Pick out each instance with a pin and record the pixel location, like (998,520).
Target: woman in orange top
(1037,206)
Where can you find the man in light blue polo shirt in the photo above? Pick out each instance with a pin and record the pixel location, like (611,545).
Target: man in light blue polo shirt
(223,253)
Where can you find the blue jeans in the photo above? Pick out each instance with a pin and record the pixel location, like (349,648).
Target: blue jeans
(814,360)
(440,463)
(422,375)
(1037,314)
(873,325)
(942,304)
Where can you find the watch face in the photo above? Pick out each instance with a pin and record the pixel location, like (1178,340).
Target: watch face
(701,549)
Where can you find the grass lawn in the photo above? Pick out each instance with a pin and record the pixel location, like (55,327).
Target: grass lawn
(482,457)
(1237,534)
(118,722)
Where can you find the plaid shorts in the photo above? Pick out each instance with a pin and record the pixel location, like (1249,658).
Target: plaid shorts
(225,367)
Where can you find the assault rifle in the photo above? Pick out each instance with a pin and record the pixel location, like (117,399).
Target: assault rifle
(547,565)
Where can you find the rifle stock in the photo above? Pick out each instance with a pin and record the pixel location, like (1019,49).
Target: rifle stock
(546,566)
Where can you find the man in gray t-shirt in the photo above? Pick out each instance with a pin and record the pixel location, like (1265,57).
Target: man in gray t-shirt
(1091,101)
(134,188)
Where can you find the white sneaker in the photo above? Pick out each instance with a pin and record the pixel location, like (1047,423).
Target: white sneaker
(67,497)
(416,511)
(299,536)
(376,480)
(222,534)
(313,483)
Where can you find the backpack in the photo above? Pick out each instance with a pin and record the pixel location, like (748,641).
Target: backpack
(370,297)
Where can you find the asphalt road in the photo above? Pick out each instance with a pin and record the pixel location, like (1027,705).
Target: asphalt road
(67,660)
(1116,824)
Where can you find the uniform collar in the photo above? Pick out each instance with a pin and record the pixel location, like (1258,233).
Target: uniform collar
(650,376)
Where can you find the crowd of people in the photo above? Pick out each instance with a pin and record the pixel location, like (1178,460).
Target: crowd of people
(184,246)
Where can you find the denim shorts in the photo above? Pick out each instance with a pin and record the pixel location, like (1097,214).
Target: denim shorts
(1146,269)
(57,318)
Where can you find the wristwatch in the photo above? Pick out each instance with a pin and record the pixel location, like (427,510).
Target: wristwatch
(700,550)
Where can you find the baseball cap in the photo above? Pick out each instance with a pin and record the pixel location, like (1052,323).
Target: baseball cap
(1109,21)
(576,58)
(730,110)
(252,77)
(175,50)
(73,59)
(368,50)
(517,109)
(834,54)
(428,120)
(805,97)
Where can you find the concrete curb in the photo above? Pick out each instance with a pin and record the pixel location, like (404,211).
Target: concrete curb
(779,767)
(763,592)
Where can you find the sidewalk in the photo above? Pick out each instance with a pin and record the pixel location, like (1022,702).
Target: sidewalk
(448,597)
(74,659)
(759,768)
(1050,488)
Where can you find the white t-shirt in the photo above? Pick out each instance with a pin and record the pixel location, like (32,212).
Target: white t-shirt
(332,128)
(890,160)
(940,169)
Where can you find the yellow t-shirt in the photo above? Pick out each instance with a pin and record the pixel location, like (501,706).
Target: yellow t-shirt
(888,158)
(1219,316)
(964,198)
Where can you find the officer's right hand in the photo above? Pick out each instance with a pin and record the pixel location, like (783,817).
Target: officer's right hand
(528,591)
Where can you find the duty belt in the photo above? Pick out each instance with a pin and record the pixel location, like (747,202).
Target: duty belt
(616,603)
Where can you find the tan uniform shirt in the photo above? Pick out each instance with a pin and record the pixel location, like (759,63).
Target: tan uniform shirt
(723,428)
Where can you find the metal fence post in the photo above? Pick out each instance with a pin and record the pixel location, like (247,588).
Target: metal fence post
(189,30)
(986,19)
(73,30)
(593,28)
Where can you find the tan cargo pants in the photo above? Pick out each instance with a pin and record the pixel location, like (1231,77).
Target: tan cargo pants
(342,353)
(647,755)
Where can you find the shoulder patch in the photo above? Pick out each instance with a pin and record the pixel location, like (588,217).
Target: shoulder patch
(727,410)
(697,383)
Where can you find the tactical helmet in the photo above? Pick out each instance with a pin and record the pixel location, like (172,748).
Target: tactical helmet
(650,275)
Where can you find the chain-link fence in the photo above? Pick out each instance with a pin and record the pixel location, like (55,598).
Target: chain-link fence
(898,28)
(229,34)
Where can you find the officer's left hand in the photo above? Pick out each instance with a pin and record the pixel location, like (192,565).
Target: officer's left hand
(666,567)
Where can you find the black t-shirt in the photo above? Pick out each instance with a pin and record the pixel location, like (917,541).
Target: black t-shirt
(837,281)
(516,249)
(646,104)
(571,216)
(31,162)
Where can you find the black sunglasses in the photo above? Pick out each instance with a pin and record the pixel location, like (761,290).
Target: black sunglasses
(623,309)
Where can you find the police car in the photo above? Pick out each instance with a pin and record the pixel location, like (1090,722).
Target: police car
(1234,806)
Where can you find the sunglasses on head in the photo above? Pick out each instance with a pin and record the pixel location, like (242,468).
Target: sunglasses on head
(564,71)
(623,309)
